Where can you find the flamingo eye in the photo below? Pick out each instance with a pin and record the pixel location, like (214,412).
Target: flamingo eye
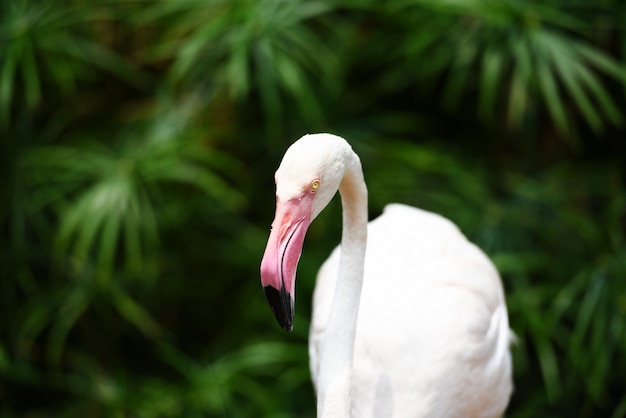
(315,185)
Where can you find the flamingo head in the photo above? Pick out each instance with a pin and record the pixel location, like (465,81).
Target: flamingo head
(306,180)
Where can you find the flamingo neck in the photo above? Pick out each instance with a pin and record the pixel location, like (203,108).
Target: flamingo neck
(336,358)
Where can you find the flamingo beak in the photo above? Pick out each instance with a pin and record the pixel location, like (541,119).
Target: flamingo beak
(280,261)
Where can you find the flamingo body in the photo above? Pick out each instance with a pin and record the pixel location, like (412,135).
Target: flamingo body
(432,336)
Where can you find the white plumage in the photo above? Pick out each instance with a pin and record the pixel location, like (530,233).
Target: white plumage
(413,324)
(432,337)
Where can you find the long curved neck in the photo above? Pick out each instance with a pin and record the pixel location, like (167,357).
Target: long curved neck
(336,357)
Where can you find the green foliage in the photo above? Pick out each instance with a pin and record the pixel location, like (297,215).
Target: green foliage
(239,47)
(48,48)
(138,142)
(512,56)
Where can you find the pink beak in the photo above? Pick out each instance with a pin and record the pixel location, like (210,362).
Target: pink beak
(280,261)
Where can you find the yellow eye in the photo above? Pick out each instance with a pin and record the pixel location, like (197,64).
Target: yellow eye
(315,185)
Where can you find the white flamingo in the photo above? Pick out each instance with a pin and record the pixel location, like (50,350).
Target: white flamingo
(413,326)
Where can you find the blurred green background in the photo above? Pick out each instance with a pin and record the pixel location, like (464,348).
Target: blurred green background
(138,141)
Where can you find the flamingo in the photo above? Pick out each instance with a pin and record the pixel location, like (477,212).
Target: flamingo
(409,317)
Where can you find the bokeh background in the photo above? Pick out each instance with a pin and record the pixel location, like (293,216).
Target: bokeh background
(137,151)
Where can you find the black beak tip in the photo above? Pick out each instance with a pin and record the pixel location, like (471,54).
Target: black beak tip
(281,305)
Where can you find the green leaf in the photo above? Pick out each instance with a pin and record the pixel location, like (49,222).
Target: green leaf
(9,64)
(520,81)
(586,77)
(602,61)
(547,360)
(238,72)
(490,81)
(30,76)
(108,245)
(70,312)
(564,62)
(550,93)
(133,312)
(460,67)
